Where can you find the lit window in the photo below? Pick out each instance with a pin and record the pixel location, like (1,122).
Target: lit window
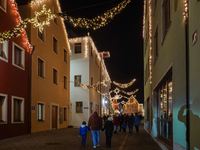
(77,48)
(3,108)
(77,80)
(41,112)
(17,110)
(40,68)
(55,76)
(65,82)
(79,107)
(55,45)
(4,51)
(65,55)
(18,56)
(65,114)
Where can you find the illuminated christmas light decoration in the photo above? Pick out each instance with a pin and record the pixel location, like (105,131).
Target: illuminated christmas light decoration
(97,22)
(150,42)
(35,21)
(86,47)
(130,93)
(144,12)
(185,13)
(125,85)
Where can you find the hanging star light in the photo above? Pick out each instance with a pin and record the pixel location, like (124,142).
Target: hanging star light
(37,23)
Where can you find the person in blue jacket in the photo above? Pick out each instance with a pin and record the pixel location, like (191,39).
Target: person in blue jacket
(83,132)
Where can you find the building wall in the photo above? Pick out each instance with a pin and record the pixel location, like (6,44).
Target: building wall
(14,80)
(43,90)
(171,58)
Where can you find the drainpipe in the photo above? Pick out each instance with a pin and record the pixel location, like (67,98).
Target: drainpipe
(187,79)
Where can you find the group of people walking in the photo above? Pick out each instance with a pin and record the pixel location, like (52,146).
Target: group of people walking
(109,124)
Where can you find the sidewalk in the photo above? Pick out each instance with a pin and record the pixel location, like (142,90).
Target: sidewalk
(68,139)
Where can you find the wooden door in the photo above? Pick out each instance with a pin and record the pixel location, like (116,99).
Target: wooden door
(54,117)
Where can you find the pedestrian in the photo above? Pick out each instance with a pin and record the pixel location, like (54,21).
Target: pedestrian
(130,123)
(83,132)
(95,124)
(121,120)
(137,122)
(115,123)
(124,127)
(109,131)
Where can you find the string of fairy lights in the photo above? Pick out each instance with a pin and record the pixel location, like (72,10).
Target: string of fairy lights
(95,23)
(117,96)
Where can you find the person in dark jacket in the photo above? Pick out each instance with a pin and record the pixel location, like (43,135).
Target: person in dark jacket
(83,132)
(137,122)
(109,131)
(95,124)
(121,120)
(130,123)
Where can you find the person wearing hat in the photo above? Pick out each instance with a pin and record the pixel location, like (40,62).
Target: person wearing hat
(95,124)
(83,132)
(109,131)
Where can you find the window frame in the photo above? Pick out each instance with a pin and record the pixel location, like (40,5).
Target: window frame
(80,108)
(13,121)
(43,68)
(42,36)
(155,46)
(4,49)
(42,113)
(79,46)
(79,80)
(166,17)
(55,76)
(4,6)
(3,109)
(65,82)
(65,56)
(22,57)
(55,45)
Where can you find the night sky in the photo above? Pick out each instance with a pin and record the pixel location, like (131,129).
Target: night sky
(122,37)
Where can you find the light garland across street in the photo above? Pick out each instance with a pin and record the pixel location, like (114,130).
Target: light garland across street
(95,23)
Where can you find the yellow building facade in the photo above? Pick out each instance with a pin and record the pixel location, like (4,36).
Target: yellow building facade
(50,69)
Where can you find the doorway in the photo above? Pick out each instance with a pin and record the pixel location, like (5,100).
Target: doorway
(54,117)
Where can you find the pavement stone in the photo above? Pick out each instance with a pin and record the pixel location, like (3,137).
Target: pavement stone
(68,139)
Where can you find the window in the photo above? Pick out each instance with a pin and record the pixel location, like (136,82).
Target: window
(79,107)
(165,108)
(65,114)
(55,76)
(4,51)
(155,50)
(3,108)
(77,48)
(77,80)
(91,80)
(55,19)
(3,4)
(40,68)
(65,55)
(41,112)
(91,51)
(91,107)
(18,56)
(166,16)
(55,45)
(65,82)
(17,110)
(41,35)
(96,59)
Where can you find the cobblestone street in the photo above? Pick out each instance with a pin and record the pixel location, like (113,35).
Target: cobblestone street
(68,139)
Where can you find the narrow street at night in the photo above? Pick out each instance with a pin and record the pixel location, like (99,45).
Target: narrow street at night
(68,139)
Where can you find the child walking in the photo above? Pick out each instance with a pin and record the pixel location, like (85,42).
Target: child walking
(83,132)
(109,131)
(124,127)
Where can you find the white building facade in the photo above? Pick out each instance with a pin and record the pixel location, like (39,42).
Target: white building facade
(86,67)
